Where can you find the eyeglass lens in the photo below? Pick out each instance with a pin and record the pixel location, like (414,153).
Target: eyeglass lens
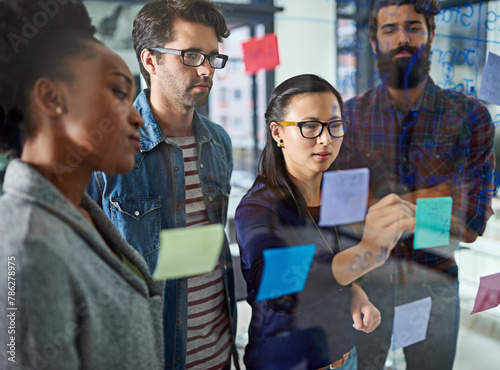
(195,59)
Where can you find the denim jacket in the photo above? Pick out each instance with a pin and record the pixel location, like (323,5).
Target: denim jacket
(152,197)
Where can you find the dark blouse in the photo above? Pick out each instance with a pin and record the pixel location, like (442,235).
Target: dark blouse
(309,329)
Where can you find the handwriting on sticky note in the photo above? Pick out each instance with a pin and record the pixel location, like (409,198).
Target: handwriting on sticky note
(261,53)
(344,196)
(188,251)
(285,271)
(410,323)
(488,294)
(490,82)
(433,223)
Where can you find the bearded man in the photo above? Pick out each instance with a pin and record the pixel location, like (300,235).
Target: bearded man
(418,141)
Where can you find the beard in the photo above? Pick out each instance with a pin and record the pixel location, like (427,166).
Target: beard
(197,98)
(406,72)
(179,91)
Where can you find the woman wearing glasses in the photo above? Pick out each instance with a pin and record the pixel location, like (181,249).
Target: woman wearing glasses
(315,328)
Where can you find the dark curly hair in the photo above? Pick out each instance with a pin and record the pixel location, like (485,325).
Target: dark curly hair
(153,25)
(37,39)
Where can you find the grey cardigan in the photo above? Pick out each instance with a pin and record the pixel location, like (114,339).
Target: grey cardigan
(76,305)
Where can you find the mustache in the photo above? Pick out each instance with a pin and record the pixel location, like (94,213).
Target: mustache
(406,48)
(203,80)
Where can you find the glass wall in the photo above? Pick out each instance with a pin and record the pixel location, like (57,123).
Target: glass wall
(466,31)
(330,38)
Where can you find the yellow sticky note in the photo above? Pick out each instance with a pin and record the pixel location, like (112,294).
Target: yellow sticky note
(188,251)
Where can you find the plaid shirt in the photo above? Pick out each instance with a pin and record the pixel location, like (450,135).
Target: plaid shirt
(448,139)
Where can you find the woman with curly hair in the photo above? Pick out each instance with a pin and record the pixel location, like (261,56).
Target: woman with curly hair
(78,296)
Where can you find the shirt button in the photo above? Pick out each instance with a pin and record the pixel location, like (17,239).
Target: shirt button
(201,165)
(177,168)
(178,205)
(210,199)
(178,358)
(180,284)
(368,154)
(180,322)
(137,213)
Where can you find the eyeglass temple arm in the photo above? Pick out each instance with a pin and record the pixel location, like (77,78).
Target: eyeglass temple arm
(166,50)
(286,123)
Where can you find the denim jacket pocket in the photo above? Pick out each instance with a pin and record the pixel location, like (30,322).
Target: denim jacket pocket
(225,190)
(138,220)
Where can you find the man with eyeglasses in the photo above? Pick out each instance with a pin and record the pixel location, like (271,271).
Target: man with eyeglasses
(418,141)
(182,173)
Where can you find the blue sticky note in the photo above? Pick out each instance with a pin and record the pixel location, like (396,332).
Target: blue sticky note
(344,196)
(432,228)
(285,271)
(410,323)
(490,82)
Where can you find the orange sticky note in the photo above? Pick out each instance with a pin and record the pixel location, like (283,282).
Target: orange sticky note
(261,52)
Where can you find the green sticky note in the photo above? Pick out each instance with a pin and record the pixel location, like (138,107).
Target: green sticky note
(188,251)
(432,228)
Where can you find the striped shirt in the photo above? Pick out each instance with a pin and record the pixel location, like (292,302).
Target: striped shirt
(208,325)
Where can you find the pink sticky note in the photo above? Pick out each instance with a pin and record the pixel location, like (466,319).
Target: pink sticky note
(488,295)
(261,52)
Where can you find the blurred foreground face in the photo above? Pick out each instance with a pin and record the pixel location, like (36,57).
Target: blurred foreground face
(100,121)
(306,158)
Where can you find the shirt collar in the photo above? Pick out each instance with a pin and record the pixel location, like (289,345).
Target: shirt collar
(3,161)
(426,100)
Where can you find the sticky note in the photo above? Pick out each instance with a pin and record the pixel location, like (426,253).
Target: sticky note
(490,82)
(410,323)
(261,53)
(433,221)
(285,271)
(488,294)
(188,251)
(344,196)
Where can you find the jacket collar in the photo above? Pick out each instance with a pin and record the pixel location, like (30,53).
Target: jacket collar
(151,132)
(23,181)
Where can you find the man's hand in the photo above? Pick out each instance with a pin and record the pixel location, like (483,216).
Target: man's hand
(463,232)
(440,190)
